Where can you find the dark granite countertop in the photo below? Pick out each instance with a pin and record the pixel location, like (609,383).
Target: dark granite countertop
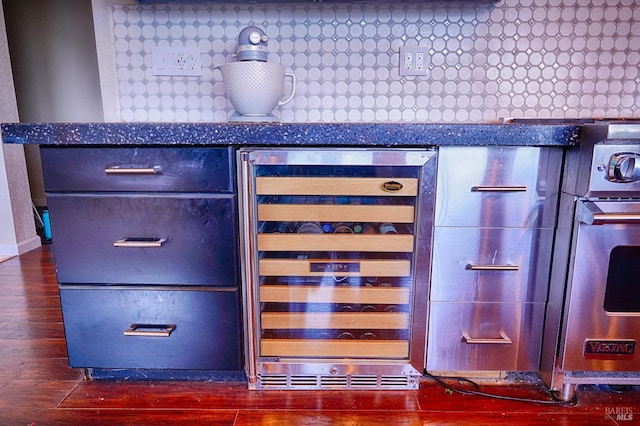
(291,134)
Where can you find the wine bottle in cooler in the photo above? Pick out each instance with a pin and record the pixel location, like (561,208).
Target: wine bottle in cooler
(369,228)
(368,335)
(281,228)
(309,228)
(327,227)
(343,228)
(387,228)
(346,335)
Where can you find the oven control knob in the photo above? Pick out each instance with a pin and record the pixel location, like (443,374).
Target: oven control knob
(624,167)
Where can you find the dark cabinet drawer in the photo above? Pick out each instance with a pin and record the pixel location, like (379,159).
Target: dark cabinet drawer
(194,238)
(205,325)
(137,169)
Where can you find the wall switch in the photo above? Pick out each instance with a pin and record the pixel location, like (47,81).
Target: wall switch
(176,61)
(413,60)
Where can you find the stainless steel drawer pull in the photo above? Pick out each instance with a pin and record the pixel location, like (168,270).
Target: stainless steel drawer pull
(150,330)
(472,267)
(508,188)
(119,170)
(502,340)
(140,242)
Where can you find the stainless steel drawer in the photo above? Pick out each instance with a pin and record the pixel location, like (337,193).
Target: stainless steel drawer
(148,328)
(160,239)
(491,264)
(497,186)
(137,169)
(484,336)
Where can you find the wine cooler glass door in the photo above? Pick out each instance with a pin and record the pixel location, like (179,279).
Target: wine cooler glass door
(332,238)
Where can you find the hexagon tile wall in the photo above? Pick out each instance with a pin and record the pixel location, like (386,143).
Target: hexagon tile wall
(516,58)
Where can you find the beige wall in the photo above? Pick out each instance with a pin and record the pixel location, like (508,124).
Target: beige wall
(17,226)
(53,55)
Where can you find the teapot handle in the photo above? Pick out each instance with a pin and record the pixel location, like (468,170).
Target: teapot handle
(293,88)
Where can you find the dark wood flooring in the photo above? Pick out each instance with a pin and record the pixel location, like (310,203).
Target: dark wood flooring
(38,388)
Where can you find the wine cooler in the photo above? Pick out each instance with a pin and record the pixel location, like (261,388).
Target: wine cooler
(336,260)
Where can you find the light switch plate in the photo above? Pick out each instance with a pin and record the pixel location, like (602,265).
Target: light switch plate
(413,60)
(170,60)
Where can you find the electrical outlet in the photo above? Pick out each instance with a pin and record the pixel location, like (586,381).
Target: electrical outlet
(413,60)
(176,61)
(419,63)
(408,61)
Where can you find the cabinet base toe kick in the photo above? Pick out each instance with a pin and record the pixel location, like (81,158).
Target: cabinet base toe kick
(145,374)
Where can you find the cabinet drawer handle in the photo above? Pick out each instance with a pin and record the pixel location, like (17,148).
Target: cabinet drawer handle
(140,242)
(150,330)
(119,170)
(502,340)
(508,188)
(472,267)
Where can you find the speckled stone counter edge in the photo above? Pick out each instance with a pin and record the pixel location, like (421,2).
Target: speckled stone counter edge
(291,134)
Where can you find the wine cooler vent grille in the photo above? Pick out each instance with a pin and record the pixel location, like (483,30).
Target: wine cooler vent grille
(324,382)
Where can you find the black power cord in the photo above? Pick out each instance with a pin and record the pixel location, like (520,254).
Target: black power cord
(441,380)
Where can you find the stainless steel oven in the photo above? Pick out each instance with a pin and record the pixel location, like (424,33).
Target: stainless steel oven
(592,325)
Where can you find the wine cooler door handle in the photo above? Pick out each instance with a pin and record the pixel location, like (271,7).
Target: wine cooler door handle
(502,340)
(119,170)
(472,267)
(150,330)
(140,242)
(507,188)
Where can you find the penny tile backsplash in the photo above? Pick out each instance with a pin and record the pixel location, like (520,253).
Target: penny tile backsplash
(486,61)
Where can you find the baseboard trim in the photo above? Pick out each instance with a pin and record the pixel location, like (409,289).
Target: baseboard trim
(20,248)
(29,244)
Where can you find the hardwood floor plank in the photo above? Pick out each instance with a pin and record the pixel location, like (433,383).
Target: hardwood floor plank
(31,330)
(592,401)
(328,418)
(17,350)
(434,397)
(25,395)
(373,418)
(58,417)
(152,395)
(51,314)
(36,370)
(223,395)
(28,302)
(17,288)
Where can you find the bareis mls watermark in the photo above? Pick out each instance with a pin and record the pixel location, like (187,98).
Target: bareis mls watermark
(619,413)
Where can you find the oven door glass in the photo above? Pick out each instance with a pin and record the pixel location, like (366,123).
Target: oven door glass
(623,280)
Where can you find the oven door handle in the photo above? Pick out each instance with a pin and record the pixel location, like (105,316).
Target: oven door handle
(593,213)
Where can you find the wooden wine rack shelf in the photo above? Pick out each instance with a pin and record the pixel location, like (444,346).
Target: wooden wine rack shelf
(335,213)
(335,186)
(335,320)
(304,268)
(336,242)
(311,348)
(329,294)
